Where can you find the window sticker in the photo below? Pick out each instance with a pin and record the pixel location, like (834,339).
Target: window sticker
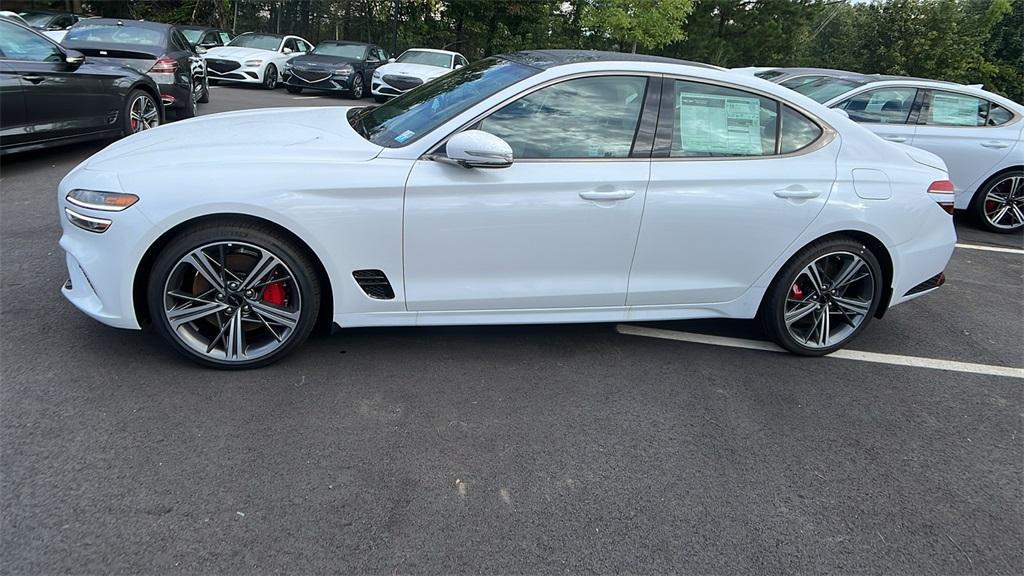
(954,110)
(404,136)
(719,125)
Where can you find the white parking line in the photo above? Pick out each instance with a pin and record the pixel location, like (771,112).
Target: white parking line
(891,359)
(305,97)
(990,248)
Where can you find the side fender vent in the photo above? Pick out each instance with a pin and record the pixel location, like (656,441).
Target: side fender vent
(375,283)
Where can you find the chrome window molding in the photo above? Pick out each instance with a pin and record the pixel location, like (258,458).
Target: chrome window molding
(828,133)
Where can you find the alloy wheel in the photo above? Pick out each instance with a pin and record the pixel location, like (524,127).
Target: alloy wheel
(1004,203)
(357,87)
(271,81)
(144,114)
(232,301)
(829,299)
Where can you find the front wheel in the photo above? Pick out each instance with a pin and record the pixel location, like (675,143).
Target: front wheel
(356,91)
(999,205)
(204,98)
(823,297)
(270,77)
(233,295)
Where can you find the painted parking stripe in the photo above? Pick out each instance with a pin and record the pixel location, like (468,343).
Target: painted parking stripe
(305,97)
(874,357)
(990,248)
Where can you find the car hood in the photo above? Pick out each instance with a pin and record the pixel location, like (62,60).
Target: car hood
(421,71)
(248,136)
(239,53)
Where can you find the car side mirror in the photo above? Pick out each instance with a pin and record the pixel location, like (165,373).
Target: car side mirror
(478,149)
(200,50)
(457,66)
(391,60)
(73,58)
(287,50)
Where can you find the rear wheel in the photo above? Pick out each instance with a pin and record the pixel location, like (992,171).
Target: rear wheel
(293,89)
(233,295)
(189,111)
(141,112)
(999,205)
(270,77)
(204,98)
(823,297)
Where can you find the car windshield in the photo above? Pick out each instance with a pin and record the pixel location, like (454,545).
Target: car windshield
(426,58)
(824,89)
(191,34)
(36,19)
(351,51)
(258,41)
(114,34)
(419,111)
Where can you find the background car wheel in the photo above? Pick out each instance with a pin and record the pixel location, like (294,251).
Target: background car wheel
(380,99)
(823,297)
(233,295)
(204,98)
(293,89)
(141,112)
(356,91)
(189,110)
(999,204)
(270,77)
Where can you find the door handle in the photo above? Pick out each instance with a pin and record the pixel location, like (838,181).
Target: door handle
(33,79)
(797,192)
(607,196)
(995,144)
(895,138)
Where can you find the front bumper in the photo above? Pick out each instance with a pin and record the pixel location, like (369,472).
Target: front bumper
(243,73)
(332,83)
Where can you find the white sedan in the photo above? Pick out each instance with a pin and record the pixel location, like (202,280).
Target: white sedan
(253,58)
(553,186)
(414,67)
(980,135)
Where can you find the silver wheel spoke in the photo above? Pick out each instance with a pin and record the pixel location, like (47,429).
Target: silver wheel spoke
(852,306)
(826,327)
(846,274)
(275,315)
(179,316)
(234,340)
(798,313)
(202,263)
(999,216)
(268,262)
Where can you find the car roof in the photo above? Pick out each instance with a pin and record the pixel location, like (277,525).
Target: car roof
(344,42)
(265,34)
(831,72)
(127,21)
(194,27)
(434,50)
(544,59)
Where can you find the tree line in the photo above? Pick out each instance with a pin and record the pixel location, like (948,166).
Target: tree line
(968,41)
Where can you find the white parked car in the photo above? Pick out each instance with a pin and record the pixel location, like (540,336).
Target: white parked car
(253,58)
(414,67)
(550,186)
(977,133)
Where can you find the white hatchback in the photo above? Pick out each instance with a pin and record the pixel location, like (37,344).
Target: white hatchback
(547,186)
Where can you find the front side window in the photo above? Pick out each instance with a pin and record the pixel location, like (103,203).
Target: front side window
(419,111)
(952,109)
(303,47)
(36,19)
(17,43)
(592,117)
(257,41)
(225,38)
(881,106)
(714,121)
(289,44)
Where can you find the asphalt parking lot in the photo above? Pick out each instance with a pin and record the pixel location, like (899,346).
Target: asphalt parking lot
(524,449)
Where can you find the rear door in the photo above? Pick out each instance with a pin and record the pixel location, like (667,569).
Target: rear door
(970,133)
(727,195)
(12,107)
(890,112)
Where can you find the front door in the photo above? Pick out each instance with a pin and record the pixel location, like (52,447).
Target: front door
(888,112)
(557,229)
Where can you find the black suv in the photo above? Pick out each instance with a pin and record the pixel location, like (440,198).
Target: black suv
(52,95)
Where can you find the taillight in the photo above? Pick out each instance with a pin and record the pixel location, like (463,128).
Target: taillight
(942,191)
(165,66)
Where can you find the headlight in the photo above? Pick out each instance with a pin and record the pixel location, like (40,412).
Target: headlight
(376,74)
(106,201)
(346,69)
(253,63)
(287,66)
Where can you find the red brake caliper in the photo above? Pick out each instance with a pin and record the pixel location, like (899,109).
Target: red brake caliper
(797,293)
(274,293)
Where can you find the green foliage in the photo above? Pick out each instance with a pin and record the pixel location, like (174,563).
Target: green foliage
(970,41)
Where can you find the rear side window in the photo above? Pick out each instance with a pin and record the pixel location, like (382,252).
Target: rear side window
(952,109)
(997,115)
(797,131)
(713,121)
(881,106)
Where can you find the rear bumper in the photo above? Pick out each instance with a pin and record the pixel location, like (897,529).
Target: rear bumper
(919,264)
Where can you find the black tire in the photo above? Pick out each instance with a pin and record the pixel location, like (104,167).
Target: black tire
(189,109)
(212,81)
(293,89)
(134,96)
(773,307)
(298,263)
(379,99)
(357,89)
(981,205)
(270,77)
(204,98)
